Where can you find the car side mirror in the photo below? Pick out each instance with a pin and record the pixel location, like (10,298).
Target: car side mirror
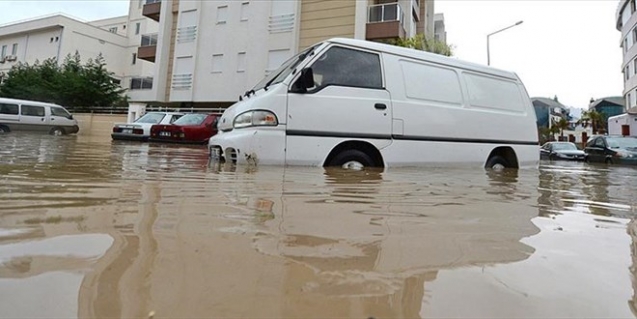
(304,82)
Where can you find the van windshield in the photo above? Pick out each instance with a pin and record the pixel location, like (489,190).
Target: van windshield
(285,69)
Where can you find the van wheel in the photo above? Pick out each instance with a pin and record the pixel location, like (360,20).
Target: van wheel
(497,163)
(4,129)
(609,161)
(57,131)
(353,159)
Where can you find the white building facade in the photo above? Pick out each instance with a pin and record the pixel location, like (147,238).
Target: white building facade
(56,37)
(626,23)
(208,53)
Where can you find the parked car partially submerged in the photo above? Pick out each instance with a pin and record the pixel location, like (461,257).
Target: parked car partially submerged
(23,115)
(612,149)
(190,128)
(561,151)
(139,130)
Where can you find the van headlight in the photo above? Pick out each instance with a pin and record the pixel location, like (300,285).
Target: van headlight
(255,118)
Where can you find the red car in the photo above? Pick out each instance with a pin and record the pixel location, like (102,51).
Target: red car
(190,128)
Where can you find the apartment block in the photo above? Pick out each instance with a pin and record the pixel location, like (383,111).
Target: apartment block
(56,36)
(208,53)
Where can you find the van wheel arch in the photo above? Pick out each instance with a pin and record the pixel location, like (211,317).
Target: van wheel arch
(57,131)
(4,129)
(502,157)
(354,150)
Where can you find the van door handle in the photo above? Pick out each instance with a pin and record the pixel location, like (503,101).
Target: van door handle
(42,119)
(380,106)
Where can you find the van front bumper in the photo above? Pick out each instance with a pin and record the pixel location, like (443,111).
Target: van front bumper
(249,146)
(72,129)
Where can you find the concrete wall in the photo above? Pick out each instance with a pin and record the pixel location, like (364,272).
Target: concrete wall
(98,124)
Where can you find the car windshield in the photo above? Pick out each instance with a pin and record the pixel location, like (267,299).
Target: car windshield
(150,118)
(191,119)
(285,69)
(622,142)
(564,147)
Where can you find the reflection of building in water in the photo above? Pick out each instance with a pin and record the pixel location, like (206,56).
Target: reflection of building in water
(295,244)
(632,232)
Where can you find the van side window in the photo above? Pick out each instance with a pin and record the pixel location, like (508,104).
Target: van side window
(347,67)
(58,111)
(10,109)
(30,110)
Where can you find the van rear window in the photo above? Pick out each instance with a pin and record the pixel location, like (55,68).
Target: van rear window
(9,109)
(493,93)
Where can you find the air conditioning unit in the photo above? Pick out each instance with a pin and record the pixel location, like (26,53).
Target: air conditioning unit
(11,58)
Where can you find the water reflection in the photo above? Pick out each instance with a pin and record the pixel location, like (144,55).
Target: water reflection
(137,228)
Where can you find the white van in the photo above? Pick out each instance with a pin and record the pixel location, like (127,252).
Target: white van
(22,115)
(354,103)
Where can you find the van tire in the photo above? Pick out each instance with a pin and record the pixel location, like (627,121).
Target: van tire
(57,131)
(352,159)
(4,129)
(497,163)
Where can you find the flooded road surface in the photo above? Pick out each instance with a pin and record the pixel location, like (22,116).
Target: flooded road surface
(90,228)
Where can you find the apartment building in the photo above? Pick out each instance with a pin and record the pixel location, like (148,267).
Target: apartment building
(208,53)
(626,23)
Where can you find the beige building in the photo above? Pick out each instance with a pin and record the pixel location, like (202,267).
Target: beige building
(208,53)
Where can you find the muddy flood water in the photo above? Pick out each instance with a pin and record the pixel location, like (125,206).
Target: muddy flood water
(93,228)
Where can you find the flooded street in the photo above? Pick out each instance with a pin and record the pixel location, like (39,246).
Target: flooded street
(93,228)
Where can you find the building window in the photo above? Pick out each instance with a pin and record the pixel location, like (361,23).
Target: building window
(244,11)
(217,63)
(138,26)
(626,45)
(57,39)
(632,6)
(241,62)
(628,100)
(14,49)
(141,83)
(627,73)
(113,30)
(222,14)
(134,59)
(4,51)
(635,66)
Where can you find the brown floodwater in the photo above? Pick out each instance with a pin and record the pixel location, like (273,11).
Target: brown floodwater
(94,228)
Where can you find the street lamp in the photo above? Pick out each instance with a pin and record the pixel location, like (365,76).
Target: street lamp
(490,34)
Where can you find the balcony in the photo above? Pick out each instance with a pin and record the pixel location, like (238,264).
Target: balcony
(151,9)
(148,48)
(385,21)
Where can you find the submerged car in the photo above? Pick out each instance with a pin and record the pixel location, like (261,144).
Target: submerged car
(140,129)
(190,128)
(612,149)
(561,151)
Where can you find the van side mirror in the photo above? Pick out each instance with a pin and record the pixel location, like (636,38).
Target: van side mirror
(304,82)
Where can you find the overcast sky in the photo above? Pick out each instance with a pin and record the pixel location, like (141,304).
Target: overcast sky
(568,48)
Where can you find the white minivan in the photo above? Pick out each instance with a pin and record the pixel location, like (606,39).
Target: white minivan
(23,115)
(355,103)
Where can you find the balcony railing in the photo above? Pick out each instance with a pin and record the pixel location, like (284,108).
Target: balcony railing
(385,13)
(141,83)
(149,40)
(152,9)
(385,21)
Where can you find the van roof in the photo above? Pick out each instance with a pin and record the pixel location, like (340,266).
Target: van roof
(34,103)
(418,54)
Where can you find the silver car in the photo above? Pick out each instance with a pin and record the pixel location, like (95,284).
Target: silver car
(140,129)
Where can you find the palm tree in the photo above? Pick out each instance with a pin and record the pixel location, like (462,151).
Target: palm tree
(594,118)
(561,125)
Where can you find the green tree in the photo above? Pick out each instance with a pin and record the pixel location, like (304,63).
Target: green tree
(561,125)
(596,119)
(70,84)
(421,42)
